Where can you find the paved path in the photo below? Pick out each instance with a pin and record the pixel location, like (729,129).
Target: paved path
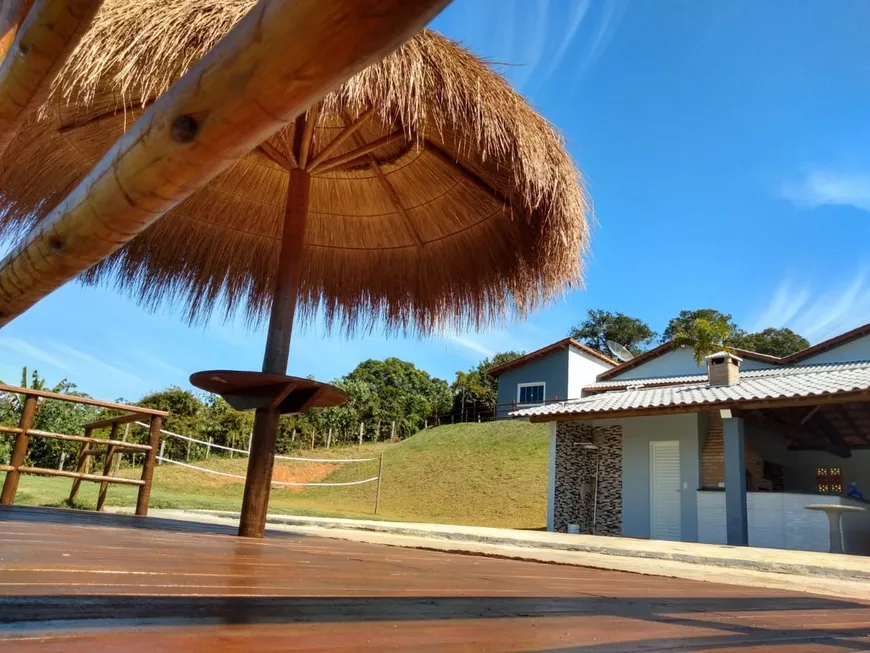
(81,582)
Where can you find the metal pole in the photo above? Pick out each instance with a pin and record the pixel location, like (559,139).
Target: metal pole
(378,492)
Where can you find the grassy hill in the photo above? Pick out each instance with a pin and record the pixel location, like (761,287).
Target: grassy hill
(492,474)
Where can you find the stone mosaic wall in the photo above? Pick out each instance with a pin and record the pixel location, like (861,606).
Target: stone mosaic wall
(575,478)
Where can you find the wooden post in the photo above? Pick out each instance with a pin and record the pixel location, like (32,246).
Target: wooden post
(378,491)
(360,433)
(293,436)
(19,451)
(187,450)
(377,437)
(121,455)
(232,445)
(162,449)
(107,468)
(329,438)
(208,449)
(62,458)
(148,466)
(313,433)
(393,430)
(261,461)
(81,466)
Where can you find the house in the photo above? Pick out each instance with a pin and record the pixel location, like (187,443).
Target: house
(729,453)
(555,372)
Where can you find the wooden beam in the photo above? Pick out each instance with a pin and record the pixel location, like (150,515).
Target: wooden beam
(112,421)
(47,36)
(812,411)
(44,394)
(802,435)
(277,61)
(859,432)
(12,14)
(277,155)
(343,135)
(80,476)
(757,404)
(83,438)
(368,148)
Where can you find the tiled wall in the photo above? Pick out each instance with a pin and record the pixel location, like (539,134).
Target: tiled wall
(575,478)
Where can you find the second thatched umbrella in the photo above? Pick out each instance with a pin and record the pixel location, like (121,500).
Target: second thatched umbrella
(422,194)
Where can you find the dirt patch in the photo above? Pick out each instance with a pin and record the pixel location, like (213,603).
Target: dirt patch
(300,473)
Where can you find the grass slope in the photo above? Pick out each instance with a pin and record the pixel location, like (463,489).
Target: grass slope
(492,474)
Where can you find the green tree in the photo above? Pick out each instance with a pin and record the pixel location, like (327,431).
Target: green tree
(684,322)
(600,326)
(186,417)
(476,389)
(773,342)
(51,415)
(704,337)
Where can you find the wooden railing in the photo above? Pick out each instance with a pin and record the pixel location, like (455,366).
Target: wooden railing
(110,447)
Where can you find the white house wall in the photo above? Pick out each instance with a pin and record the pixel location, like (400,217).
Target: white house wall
(676,362)
(856,350)
(583,370)
(637,433)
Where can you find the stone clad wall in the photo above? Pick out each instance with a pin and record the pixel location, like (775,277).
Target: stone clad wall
(575,478)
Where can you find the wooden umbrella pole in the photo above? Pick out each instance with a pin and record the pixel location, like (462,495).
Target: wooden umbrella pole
(261,462)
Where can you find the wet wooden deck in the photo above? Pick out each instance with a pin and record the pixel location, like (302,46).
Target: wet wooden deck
(83,582)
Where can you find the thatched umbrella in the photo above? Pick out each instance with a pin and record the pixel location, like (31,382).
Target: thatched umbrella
(424,193)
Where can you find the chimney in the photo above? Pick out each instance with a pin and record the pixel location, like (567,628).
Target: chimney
(723,368)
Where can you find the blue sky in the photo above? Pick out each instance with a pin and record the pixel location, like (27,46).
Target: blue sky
(727,149)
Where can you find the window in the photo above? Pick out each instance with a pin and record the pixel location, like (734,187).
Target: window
(829,480)
(531,393)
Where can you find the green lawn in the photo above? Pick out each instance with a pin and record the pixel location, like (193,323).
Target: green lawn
(492,474)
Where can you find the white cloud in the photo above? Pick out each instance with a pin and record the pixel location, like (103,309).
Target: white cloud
(818,316)
(30,352)
(824,187)
(92,360)
(784,307)
(472,344)
(572,25)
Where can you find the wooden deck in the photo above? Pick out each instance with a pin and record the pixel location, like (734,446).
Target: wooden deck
(74,581)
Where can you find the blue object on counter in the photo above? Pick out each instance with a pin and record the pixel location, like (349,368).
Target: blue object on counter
(854,492)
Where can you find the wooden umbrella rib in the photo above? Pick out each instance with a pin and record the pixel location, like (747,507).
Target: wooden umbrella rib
(359,152)
(468,175)
(277,155)
(348,131)
(394,199)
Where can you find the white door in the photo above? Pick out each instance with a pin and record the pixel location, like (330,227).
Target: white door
(664,482)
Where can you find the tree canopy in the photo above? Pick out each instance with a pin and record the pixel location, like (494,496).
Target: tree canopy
(685,321)
(475,387)
(600,326)
(705,337)
(773,342)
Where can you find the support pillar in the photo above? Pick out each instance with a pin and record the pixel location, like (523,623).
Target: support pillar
(261,462)
(736,520)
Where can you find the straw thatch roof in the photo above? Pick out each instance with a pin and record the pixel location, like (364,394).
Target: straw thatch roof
(470,208)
